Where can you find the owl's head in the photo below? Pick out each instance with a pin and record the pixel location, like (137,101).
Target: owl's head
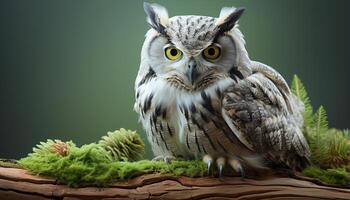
(194,52)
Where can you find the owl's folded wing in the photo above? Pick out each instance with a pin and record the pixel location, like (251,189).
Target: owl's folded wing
(266,117)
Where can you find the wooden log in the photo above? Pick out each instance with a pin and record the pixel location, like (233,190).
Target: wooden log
(20,184)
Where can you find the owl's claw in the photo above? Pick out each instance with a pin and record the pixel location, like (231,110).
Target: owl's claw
(237,166)
(242,173)
(166,159)
(158,158)
(208,160)
(209,167)
(220,162)
(220,172)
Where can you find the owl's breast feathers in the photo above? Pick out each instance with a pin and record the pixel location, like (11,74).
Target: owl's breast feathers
(255,115)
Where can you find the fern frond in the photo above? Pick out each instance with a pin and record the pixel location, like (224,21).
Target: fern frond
(318,138)
(299,90)
(320,119)
(319,146)
(346,134)
(320,130)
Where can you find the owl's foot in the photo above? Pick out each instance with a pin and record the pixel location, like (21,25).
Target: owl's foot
(166,159)
(221,162)
(237,166)
(209,161)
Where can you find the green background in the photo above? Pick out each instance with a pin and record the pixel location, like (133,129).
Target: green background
(67,68)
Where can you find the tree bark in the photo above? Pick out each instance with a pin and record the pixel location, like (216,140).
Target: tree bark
(20,184)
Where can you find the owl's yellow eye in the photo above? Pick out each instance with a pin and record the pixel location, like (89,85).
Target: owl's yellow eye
(212,52)
(172,53)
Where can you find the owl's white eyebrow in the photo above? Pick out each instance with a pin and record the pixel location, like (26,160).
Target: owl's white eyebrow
(216,44)
(168,45)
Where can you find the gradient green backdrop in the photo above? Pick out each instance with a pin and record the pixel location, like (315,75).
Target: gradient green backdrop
(67,68)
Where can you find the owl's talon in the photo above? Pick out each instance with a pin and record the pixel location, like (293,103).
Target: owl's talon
(242,173)
(220,171)
(208,160)
(158,158)
(169,159)
(220,162)
(166,159)
(237,166)
(209,166)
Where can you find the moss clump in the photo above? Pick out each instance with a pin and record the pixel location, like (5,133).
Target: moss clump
(94,164)
(9,163)
(330,148)
(335,176)
(123,145)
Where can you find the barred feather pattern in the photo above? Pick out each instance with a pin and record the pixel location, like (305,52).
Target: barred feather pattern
(259,108)
(244,118)
(184,124)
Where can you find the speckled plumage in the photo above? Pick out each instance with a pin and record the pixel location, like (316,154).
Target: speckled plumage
(237,111)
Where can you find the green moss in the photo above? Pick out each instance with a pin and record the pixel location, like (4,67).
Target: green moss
(336,176)
(93,164)
(8,164)
(89,167)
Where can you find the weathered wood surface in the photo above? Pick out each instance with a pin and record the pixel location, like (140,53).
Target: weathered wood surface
(19,184)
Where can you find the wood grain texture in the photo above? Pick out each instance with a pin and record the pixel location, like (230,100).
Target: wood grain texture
(20,184)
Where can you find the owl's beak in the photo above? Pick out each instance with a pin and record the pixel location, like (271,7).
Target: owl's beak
(192,73)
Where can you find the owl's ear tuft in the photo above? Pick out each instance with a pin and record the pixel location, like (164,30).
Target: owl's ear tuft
(157,16)
(228,18)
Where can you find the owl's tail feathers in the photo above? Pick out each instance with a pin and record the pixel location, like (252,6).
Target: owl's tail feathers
(303,162)
(255,161)
(298,163)
(291,161)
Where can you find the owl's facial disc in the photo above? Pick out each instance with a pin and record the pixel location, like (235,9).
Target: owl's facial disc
(184,70)
(191,52)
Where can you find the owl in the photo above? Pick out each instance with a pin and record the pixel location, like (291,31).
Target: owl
(199,96)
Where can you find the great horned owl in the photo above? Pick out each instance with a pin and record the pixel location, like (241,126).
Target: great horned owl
(199,96)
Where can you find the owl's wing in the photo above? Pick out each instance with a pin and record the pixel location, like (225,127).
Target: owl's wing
(266,117)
